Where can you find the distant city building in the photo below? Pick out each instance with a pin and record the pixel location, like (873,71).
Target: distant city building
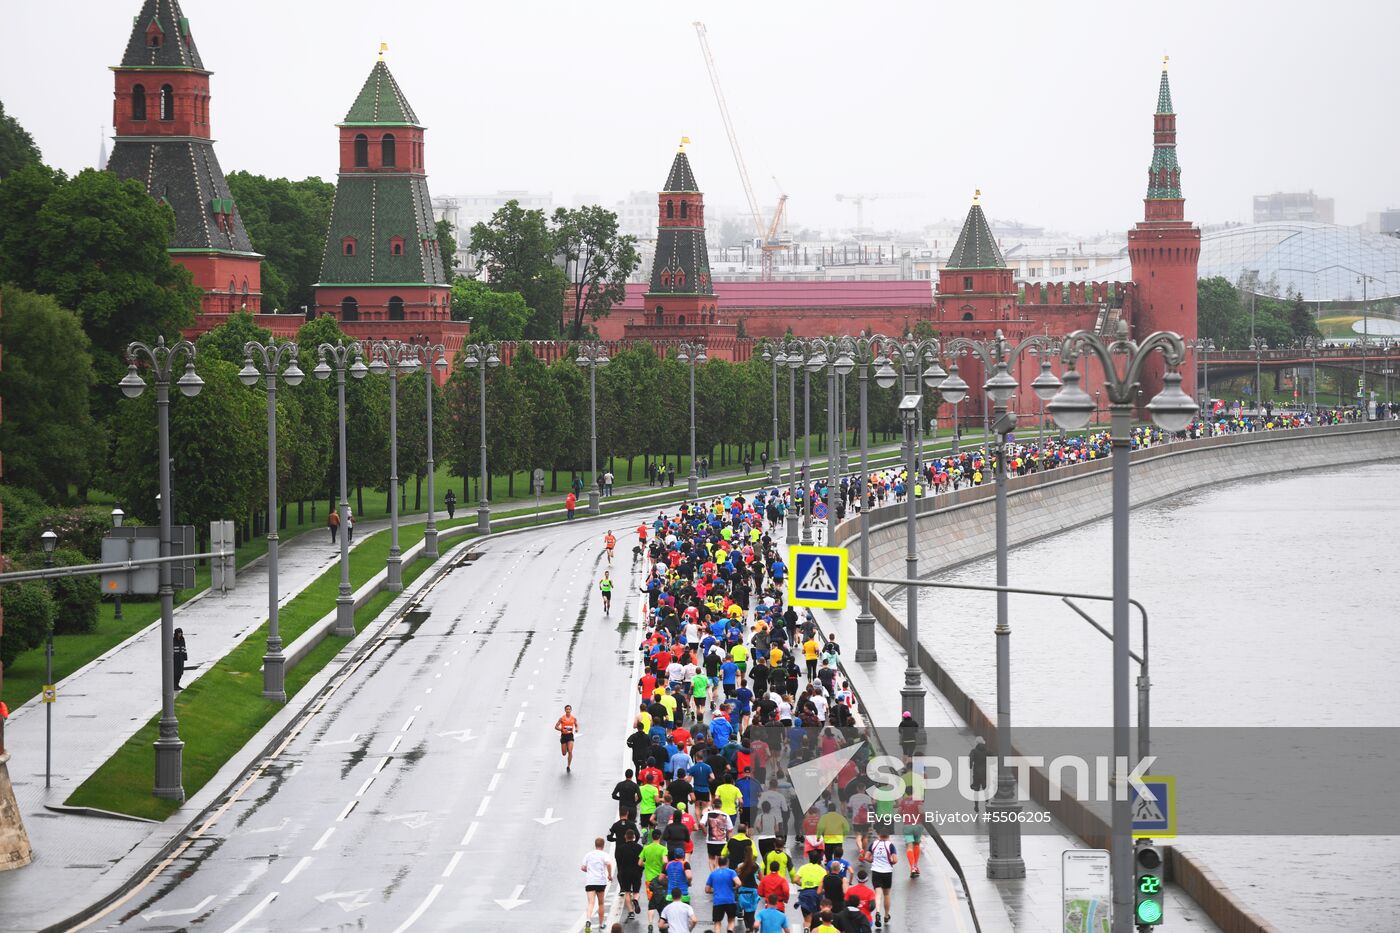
(465,211)
(1386,222)
(1293,205)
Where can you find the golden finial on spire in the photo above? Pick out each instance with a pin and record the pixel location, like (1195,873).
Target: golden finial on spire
(977,196)
(685,140)
(1165,59)
(383,47)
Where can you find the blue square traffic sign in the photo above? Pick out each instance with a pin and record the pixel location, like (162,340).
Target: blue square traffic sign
(1154,817)
(818,577)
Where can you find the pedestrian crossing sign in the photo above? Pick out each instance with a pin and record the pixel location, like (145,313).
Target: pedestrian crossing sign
(1154,816)
(818,577)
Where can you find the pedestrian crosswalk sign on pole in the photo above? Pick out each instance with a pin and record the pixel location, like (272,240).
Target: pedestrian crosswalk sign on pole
(818,577)
(1154,816)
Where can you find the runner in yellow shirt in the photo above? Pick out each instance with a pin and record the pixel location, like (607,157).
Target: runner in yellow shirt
(809,893)
(729,796)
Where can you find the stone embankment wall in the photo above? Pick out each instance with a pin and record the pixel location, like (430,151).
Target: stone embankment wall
(960,527)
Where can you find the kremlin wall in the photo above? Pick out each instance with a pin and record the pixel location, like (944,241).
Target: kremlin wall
(382,276)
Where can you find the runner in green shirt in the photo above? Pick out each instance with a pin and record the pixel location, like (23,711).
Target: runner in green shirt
(700,689)
(653,857)
(606,587)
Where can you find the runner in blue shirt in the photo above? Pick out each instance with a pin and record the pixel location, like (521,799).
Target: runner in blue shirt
(723,884)
(700,774)
(772,919)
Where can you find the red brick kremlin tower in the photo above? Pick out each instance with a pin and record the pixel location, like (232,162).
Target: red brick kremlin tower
(680,292)
(161,116)
(382,264)
(1164,248)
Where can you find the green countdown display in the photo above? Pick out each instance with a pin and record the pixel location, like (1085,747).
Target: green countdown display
(1150,884)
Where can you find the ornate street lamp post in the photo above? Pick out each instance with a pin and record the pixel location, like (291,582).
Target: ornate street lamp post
(692,354)
(1201,348)
(162,361)
(911,354)
(118,516)
(795,355)
(1004,836)
(859,354)
(481,357)
(431,356)
(1258,345)
(1172,410)
(779,361)
(270,357)
(341,358)
(396,359)
(591,356)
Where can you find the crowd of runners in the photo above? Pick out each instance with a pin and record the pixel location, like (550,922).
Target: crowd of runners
(734,683)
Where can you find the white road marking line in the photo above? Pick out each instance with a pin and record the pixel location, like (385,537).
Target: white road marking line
(530,687)
(365,786)
(321,843)
(485,802)
(418,708)
(252,914)
(534,672)
(495,779)
(406,724)
(382,762)
(452,865)
(422,909)
(437,677)
(524,703)
(510,741)
(429,690)
(500,765)
(471,831)
(346,812)
(302,863)
(446,663)
(395,743)
(519,718)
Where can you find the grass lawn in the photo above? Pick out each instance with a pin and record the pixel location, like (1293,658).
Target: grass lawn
(222,710)
(25,678)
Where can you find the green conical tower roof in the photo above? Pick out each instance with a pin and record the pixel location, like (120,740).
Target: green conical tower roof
(976,247)
(680,178)
(1164,175)
(174,47)
(381,103)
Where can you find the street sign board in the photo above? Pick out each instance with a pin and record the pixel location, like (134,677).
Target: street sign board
(1086,891)
(817,577)
(537,480)
(1154,817)
(50,693)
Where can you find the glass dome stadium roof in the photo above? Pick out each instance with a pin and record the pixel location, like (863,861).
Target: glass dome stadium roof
(1321,262)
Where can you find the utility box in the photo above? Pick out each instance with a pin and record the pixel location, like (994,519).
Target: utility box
(142,542)
(222,570)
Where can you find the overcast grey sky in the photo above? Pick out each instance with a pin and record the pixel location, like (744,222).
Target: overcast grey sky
(1045,106)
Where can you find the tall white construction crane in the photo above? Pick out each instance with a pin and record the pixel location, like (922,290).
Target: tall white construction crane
(766,233)
(859,201)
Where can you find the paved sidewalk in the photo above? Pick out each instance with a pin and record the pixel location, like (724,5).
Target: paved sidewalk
(1031,904)
(104,703)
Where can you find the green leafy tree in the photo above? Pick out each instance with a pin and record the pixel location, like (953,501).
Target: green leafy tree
(447,244)
(286,220)
(98,245)
(597,259)
(518,250)
(48,435)
(29,611)
(1218,310)
(508,420)
(494,315)
(227,341)
(17,148)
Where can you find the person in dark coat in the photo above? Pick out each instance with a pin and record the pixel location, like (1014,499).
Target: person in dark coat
(977,760)
(179,654)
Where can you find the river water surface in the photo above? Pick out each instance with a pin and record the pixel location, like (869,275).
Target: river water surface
(1273,602)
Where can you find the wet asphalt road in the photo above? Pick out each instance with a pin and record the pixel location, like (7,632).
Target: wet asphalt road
(427,792)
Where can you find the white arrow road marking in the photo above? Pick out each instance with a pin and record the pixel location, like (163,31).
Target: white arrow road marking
(515,900)
(353,737)
(415,820)
(176,913)
(348,900)
(461,735)
(271,829)
(548,818)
